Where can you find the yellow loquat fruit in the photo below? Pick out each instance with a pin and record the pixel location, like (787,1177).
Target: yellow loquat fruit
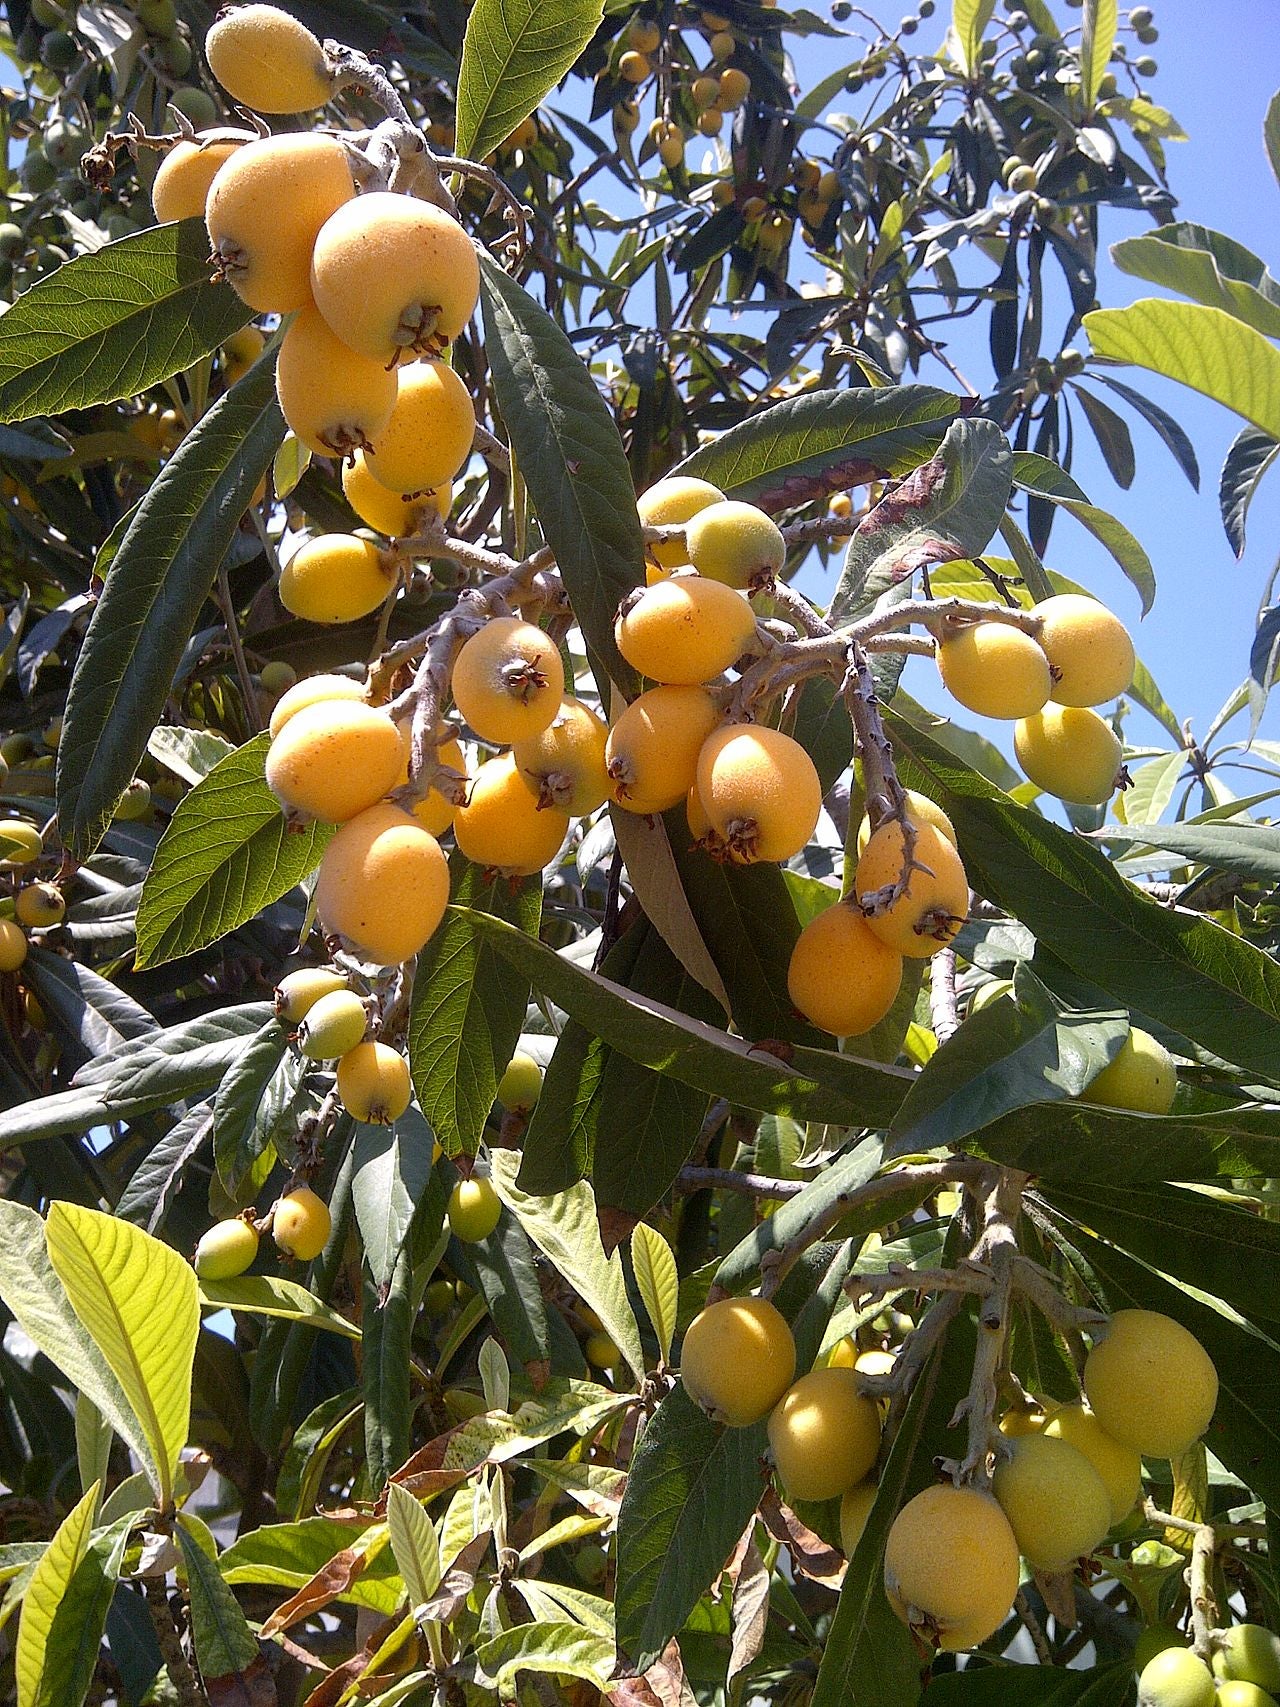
(333,759)
(737,1360)
(374,1083)
(501,826)
(508,680)
(564,765)
(994,669)
(334,399)
(1071,752)
(430,433)
(935,901)
(383,885)
(841,976)
(337,578)
(760,791)
(651,754)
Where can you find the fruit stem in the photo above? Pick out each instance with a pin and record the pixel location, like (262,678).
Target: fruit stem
(351,68)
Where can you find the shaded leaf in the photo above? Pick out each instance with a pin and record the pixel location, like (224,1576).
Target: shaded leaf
(1251,454)
(1251,850)
(225,1646)
(392,1170)
(1042,478)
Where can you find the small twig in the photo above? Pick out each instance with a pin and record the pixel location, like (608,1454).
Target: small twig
(1031,1624)
(943,1010)
(1204,1607)
(248,693)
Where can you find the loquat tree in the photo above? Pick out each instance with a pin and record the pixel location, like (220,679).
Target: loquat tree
(562,1137)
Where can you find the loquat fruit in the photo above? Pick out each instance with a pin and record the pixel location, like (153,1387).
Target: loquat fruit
(734,88)
(333,1024)
(266,59)
(474,1210)
(921,810)
(241,350)
(13,945)
(1176,1678)
(760,791)
(135,802)
(1119,1466)
(1089,650)
(824,1435)
(1141,1076)
(644,35)
(334,399)
(1056,1503)
(181,186)
(226,1250)
(332,759)
(430,433)
(521,1083)
(384,511)
(684,631)
(21,842)
(651,754)
(671,503)
(1238,1693)
(737,1360)
(635,68)
(39,906)
(374,1083)
(300,1224)
(298,992)
(994,669)
(735,543)
(951,1566)
(1070,752)
(501,826)
(1249,1653)
(508,681)
(855,1509)
(435,811)
(935,901)
(312,690)
(841,976)
(601,1352)
(564,765)
(1150,1383)
(338,577)
(383,885)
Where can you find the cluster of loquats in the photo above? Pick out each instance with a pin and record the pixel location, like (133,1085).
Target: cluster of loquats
(697,98)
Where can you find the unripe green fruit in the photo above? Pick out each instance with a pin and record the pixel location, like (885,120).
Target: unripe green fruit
(1241,1694)
(438,1300)
(65,144)
(1056,1503)
(652,751)
(1176,1678)
(13,946)
(521,1084)
(158,17)
(685,631)
(37,172)
(333,760)
(300,1224)
(824,1435)
(383,885)
(735,543)
(951,1566)
(312,690)
(508,680)
(39,906)
(59,50)
(670,503)
(175,56)
(334,1024)
(1151,1384)
(298,992)
(760,790)
(1088,648)
(430,433)
(564,765)
(277,677)
(374,1083)
(601,1352)
(474,1210)
(737,1360)
(994,669)
(855,1509)
(337,578)
(226,1250)
(267,60)
(1119,1466)
(1141,1076)
(197,106)
(935,903)
(1250,1653)
(1070,363)
(1069,752)
(29,842)
(265,208)
(591,1562)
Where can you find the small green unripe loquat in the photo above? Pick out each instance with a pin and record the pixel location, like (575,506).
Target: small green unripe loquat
(226,1250)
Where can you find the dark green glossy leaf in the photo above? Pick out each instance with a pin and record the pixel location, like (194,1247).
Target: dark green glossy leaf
(388,1411)
(157,1179)
(113,323)
(179,1056)
(392,1171)
(235,1131)
(98,1014)
(225,1646)
(513,54)
(1161,422)
(502,1269)
(1271,134)
(1251,455)
(154,592)
(1112,434)
(1074,1141)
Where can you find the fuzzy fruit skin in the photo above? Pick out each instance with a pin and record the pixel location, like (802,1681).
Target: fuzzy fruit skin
(300,1224)
(994,670)
(266,59)
(1176,1678)
(336,578)
(1056,1502)
(474,1210)
(383,885)
(298,992)
(1088,646)
(264,210)
(374,1083)
(1119,1466)
(1250,1653)
(1142,1076)
(738,1359)
(334,759)
(435,812)
(241,350)
(855,1509)
(334,1024)
(932,909)
(277,677)
(430,433)
(921,810)
(521,1083)
(671,503)
(508,680)
(1238,1693)
(1069,752)
(30,842)
(226,1250)
(335,400)
(951,1565)
(39,906)
(501,826)
(1151,1384)
(735,543)
(387,512)
(652,751)
(601,1352)
(13,946)
(841,976)
(312,690)
(824,1435)
(181,186)
(394,276)
(760,791)
(685,631)
(564,765)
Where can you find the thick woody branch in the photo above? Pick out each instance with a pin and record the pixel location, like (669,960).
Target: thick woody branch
(693,1178)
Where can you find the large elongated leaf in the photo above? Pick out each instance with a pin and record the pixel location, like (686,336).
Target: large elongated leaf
(1074,1141)
(969,18)
(571,458)
(513,54)
(1209,268)
(388,1328)
(1251,454)
(238,1138)
(1179,968)
(154,591)
(1097,38)
(1206,348)
(50,1582)
(392,1170)
(225,1646)
(1032,1686)
(226,854)
(1044,479)
(827,439)
(111,324)
(137,1297)
(1252,850)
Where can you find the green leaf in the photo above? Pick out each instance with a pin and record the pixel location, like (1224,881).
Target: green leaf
(1077,1142)
(468,1010)
(503,1269)
(1030,1049)
(387,1319)
(1179,968)
(1032,1686)
(266,1295)
(1250,456)
(180,1057)
(969,18)
(227,853)
(414,1543)
(237,1140)
(1036,474)
(1097,38)
(1113,436)
(828,438)
(654,1263)
(563,1649)
(154,592)
(225,1646)
(392,1171)
(113,323)
(138,1299)
(188,753)
(1271,134)
(949,507)
(1205,348)
(566,1230)
(49,1584)
(1152,787)
(513,55)
(1211,269)
(38,1300)
(570,456)
(288,1555)
(1251,850)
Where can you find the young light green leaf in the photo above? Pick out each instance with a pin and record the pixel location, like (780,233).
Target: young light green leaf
(226,854)
(114,323)
(266,1295)
(137,1297)
(93,1443)
(1211,269)
(969,18)
(563,1649)
(1045,479)
(654,1263)
(49,1584)
(514,53)
(414,1543)
(189,753)
(226,1648)
(154,591)
(1097,38)
(495,1375)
